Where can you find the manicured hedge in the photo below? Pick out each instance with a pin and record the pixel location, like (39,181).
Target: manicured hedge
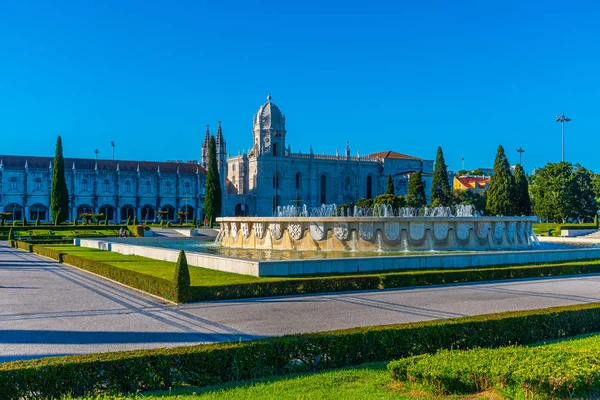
(148,283)
(24,246)
(69,227)
(49,252)
(211,364)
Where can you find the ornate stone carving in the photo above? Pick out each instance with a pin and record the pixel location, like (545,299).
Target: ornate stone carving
(482,229)
(365,230)
(440,230)
(462,230)
(317,230)
(511,229)
(245,230)
(275,229)
(498,230)
(392,230)
(340,230)
(226,229)
(295,230)
(259,230)
(416,231)
(234,230)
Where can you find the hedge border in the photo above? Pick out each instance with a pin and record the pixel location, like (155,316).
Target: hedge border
(200,365)
(286,286)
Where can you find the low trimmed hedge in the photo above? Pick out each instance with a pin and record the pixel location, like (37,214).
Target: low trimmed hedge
(217,363)
(549,371)
(148,283)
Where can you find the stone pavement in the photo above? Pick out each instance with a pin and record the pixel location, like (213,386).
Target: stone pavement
(49,309)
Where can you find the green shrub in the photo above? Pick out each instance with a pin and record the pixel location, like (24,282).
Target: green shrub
(135,220)
(550,371)
(168,224)
(37,221)
(24,246)
(11,234)
(48,252)
(128,221)
(216,363)
(148,283)
(182,279)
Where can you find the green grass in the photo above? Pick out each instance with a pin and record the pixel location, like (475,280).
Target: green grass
(162,269)
(374,381)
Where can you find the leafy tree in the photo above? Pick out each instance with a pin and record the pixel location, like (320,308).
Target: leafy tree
(500,193)
(59,201)
(416,191)
(212,204)
(441,194)
(467,197)
(462,172)
(395,201)
(521,194)
(4,215)
(562,191)
(477,172)
(390,185)
(364,203)
(182,279)
(596,185)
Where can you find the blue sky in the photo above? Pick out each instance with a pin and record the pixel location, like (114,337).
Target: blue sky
(385,75)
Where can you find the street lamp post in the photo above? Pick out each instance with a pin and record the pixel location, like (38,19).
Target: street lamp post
(520,151)
(112,144)
(562,119)
(96,151)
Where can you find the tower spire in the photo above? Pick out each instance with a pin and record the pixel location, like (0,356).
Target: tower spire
(204,152)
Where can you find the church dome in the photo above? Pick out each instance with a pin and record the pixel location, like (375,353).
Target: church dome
(269,116)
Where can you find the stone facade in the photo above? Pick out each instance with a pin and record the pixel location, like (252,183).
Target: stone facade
(269,174)
(118,189)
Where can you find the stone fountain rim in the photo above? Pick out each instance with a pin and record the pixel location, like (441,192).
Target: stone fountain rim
(376,219)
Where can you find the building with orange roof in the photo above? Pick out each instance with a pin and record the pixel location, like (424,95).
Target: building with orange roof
(475,184)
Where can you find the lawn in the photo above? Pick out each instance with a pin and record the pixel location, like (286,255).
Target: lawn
(162,269)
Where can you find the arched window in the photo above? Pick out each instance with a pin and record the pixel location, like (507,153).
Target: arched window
(13,183)
(147,213)
(16,210)
(148,187)
(38,186)
(38,211)
(106,185)
(276,181)
(127,212)
(168,188)
(274,149)
(298,179)
(170,212)
(369,187)
(128,186)
(108,212)
(323,189)
(189,212)
(84,185)
(188,187)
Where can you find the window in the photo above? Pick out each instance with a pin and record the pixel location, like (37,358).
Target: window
(37,211)
(147,213)
(38,186)
(84,185)
(187,188)
(298,180)
(276,181)
(369,187)
(128,186)
(16,210)
(168,187)
(106,185)
(274,149)
(13,183)
(148,187)
(347,183)
(323,189)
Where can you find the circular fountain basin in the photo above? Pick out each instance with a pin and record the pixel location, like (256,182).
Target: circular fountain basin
(377,233)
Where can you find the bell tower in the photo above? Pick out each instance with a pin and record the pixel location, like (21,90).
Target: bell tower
(269,130)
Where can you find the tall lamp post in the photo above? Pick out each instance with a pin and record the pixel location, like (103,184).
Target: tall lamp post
(562,119)
(112,144)
(520,151)
(96,151)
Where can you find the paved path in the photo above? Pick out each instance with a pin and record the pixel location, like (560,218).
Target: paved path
(51,309)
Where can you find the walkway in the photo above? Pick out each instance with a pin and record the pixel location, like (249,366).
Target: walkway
(49,309)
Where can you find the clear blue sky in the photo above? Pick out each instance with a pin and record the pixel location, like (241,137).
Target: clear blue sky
(405,76)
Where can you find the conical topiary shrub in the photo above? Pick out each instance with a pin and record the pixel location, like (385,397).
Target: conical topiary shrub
(11,238)
(37,221)
(128,221)
(182,279)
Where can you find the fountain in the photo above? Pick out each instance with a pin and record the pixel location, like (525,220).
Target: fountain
(378,228)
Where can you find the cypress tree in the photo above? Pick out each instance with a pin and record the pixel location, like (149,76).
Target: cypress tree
(416,191)
(501,192)
(182,279)
(212,204)
(390,185)
(59,202)
(522,200)
(441,195)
